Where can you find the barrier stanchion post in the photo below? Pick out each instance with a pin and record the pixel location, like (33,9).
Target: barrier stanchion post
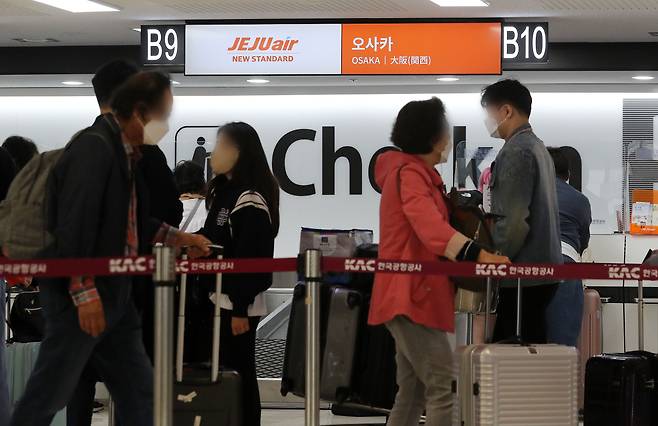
(164,279)
(313,279)
(640,315)
(519,309)
(111,413)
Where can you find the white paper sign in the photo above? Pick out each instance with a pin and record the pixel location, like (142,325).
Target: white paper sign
(262,49)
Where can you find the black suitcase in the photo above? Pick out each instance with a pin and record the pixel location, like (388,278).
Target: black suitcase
(374,384)
(340,312)
(293,374)
(363,282)
(205,395)
(619,390)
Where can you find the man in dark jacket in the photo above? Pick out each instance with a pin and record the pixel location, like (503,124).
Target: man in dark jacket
(164,206)
(99,207)
(523,198)
(565,312)
(7,173)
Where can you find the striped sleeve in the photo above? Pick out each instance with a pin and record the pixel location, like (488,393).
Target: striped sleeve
(251,199)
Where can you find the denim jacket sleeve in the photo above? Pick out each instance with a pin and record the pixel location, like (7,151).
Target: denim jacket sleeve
(512,188)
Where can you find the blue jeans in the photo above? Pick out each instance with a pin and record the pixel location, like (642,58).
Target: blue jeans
(564,315)
(118,355)
(5,407)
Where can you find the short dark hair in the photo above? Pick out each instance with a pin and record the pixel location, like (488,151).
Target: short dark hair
(561,163)
(109,77)
(146,88)
(7,172)
(508,91)
(21,150)
(190,178)
(419,125)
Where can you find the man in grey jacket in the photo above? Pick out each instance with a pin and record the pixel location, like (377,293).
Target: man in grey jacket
(524,199)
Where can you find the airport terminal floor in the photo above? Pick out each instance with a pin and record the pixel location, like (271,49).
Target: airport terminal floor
(342,212)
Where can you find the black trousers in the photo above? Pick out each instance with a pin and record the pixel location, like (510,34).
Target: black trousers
(239,353)
(534,304)
(80,409)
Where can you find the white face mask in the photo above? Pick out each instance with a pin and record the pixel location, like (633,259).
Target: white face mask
(445,154)
(493,127)
(154,131)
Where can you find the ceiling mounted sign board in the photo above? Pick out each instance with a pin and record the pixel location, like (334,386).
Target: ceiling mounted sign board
(422,48)
(277,49)
(354,48)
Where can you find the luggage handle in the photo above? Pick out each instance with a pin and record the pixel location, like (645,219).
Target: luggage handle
(518,339)
(487,310)
(519,309)
(217,322)
(640,315)
(649,259)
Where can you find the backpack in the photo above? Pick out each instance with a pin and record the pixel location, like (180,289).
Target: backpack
(23,217)
(24,213)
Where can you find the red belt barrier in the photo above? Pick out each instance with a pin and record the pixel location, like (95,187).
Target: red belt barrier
(144,265)
(595,271)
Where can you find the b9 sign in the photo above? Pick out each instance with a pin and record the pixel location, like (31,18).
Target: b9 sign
(525,42)
(163,45)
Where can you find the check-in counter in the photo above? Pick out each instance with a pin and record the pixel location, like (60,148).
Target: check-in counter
(620,296)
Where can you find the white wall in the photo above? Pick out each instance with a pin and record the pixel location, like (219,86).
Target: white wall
(590,122)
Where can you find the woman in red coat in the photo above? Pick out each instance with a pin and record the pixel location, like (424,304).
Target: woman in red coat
(414,225)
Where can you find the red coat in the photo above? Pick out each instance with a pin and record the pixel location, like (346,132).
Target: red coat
(413,225)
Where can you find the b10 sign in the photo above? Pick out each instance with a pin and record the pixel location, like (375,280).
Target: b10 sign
(525,43)
(262,49)
(422,48)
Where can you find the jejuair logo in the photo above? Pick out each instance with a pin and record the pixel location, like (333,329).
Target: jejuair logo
(263,44)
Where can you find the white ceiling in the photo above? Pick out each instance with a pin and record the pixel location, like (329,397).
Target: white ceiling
(604,81)
(570,20)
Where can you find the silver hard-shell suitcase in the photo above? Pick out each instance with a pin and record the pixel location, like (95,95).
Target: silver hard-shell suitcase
(516,385)
(345,307)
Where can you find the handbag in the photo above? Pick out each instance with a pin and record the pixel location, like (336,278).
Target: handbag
(26,318)
(468,218)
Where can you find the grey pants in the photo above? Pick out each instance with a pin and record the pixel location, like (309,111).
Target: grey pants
(424,374)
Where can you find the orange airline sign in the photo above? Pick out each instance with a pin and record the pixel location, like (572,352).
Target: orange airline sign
(422,48)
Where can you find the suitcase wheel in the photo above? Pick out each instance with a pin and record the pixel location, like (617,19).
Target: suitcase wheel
(285,387)
(342,394)
(354,300)
(299,291)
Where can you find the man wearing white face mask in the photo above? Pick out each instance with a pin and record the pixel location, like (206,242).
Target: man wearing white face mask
(99,208)
(164,205)
(524,198)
